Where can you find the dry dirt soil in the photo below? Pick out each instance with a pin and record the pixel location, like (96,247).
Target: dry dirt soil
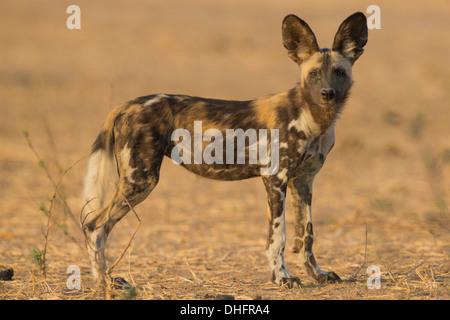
(387,176)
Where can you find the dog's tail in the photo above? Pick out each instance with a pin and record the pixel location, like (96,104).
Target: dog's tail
(100,166)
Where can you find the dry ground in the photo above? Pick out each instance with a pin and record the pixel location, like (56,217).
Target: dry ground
(388,173)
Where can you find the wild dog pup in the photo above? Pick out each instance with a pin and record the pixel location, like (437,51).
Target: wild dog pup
(138,134)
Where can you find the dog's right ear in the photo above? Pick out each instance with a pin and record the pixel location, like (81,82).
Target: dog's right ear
(298,39)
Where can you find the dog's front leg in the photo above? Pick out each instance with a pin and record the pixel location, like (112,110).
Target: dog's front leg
(301,193)
(276,241)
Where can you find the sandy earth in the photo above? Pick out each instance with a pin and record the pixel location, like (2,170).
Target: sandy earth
(388,173)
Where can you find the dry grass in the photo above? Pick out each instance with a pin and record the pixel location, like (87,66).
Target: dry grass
(388,173)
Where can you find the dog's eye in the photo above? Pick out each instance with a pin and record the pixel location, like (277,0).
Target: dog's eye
(313,74)
(340,72)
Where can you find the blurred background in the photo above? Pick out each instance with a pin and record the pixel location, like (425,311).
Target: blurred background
(388,171)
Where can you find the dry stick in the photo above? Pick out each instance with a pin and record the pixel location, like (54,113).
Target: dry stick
(364,262)
(46,234)
(38,157)
(56,194)
(47,171)
(108,271)
(432,276)
(189,267)
(50,211)
(390,274)
(66,205)
(34,281)
(417,264)
(83,220)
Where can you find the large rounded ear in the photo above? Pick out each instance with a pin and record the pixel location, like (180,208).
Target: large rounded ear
(351,37)
(298,39)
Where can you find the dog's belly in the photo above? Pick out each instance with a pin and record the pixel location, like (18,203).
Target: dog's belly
(226,172)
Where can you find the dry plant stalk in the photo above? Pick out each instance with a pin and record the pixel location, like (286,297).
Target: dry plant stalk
(190,270)
(57,195)
(46,234)
(364,261)
(108,271)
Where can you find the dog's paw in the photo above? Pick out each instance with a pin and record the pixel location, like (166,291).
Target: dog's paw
(328,277)
(290,282)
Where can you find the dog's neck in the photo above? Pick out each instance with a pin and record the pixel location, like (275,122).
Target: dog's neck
(324,115)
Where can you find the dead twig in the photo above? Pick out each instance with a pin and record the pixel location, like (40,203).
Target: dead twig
(364,261)
(190,270)
(49,218)
(416,265)
(57,195)
(108,271)
(83,220)
(46,235)
(390,274)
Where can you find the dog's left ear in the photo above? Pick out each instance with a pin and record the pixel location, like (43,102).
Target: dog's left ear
(351,37)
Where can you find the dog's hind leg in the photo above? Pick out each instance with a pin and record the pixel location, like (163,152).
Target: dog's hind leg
(135,184)
(126,197)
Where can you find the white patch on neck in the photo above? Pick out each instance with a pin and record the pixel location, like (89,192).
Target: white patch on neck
(305,122)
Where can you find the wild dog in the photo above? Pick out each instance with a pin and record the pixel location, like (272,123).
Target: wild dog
(137,135)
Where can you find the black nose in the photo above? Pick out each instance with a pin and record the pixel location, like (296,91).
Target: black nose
(328,94)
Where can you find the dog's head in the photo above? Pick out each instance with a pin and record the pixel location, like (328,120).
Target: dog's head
(326,74)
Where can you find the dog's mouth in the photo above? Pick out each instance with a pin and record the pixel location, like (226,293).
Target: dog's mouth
(328,103)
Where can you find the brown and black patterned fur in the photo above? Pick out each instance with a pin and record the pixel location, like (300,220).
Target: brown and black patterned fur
(137,136)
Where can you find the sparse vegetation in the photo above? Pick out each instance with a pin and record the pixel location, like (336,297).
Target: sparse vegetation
(39,258)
